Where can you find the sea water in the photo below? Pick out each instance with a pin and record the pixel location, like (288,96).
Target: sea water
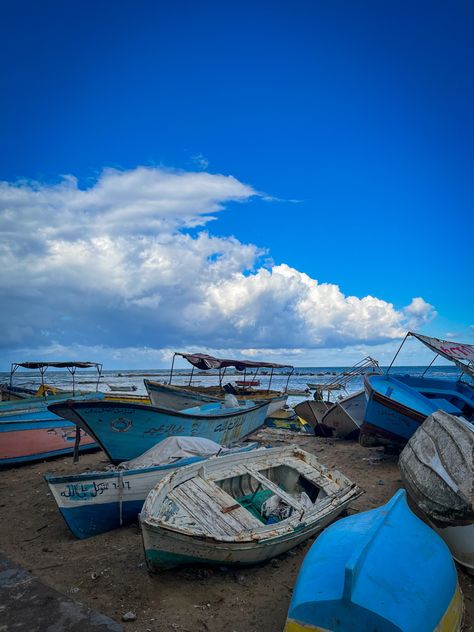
(297,381)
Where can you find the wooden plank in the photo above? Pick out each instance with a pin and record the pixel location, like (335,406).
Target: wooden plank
(238,520)
(201,514)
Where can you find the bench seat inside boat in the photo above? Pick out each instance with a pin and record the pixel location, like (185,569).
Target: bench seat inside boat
(445,405)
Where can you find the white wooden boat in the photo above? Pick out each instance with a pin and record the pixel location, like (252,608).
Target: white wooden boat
(241,509)
(346,416)
(437,466)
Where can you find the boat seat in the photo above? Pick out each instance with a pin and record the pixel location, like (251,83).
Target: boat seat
(445,405)
(266,482)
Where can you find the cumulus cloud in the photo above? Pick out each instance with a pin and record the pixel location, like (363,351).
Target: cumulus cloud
(114,266)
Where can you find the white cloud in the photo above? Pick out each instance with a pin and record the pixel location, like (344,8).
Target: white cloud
(113,267)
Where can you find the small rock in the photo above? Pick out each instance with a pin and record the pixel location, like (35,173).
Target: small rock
(129,616)
(94,575)
(380,482)
(74,589)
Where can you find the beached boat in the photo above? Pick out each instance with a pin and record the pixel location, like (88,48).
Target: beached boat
(314,410)
(437,467)
(126,430)
(29,431)
(397,405)
(95,502)
(346,416)
(241,509)
(286,419)
(382,570)
(180,397)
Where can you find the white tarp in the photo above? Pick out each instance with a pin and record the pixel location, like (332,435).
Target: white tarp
(172,449)
(447,348)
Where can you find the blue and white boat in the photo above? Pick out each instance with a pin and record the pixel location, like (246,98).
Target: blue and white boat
(398,404)
(383,570)
(96,502)
(126,430)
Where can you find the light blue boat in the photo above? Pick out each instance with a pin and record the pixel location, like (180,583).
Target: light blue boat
(397,405)
(379,571)
(126,430)
(96,502)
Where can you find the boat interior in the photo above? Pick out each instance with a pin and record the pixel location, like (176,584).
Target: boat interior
(428,394)
(286,484)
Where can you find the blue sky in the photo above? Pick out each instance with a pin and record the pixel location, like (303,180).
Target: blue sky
(331,143)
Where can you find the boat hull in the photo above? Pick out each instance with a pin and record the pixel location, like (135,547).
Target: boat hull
(30,432)
(124,431)
(312,411)
(165,549)
(346,416)
(381,570)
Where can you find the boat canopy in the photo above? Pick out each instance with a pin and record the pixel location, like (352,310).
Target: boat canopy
(58,365)
(44,366)
(460,353)
(205,362)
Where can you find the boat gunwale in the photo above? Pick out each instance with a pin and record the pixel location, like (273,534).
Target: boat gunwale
(73,404)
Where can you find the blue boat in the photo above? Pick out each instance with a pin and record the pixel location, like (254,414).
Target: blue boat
(126,430)
(382,570)
(96,502)
(398,404)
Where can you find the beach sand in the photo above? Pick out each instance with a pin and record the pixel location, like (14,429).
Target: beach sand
(108,572)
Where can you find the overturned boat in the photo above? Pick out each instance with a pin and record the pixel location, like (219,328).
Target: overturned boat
(241,509)
(437,467)
(96,502)
(397,405)
(381,570)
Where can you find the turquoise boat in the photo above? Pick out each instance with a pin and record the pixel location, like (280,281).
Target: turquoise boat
(383,570)
(125,430)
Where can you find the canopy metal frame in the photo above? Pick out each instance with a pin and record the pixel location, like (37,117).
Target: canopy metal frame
(223,364)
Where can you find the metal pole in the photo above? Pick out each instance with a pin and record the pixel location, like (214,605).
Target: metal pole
(429,365)
(172,366)
(99,375)
(399,348)
(191,376)
(288,380)
(270,382)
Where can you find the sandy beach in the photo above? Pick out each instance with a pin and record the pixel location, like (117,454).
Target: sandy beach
(108,572)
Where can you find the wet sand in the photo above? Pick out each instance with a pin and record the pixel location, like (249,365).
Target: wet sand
(108,572)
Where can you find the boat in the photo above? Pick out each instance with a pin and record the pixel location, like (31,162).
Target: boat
(314,410)
(437,466)
(286,419)
(30,432)
(175,397)
(125,430)
(397,405)
(346,416)
(241,509)
(96,502)
(247,383)
(167,394)
(382,570)
(124,387)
